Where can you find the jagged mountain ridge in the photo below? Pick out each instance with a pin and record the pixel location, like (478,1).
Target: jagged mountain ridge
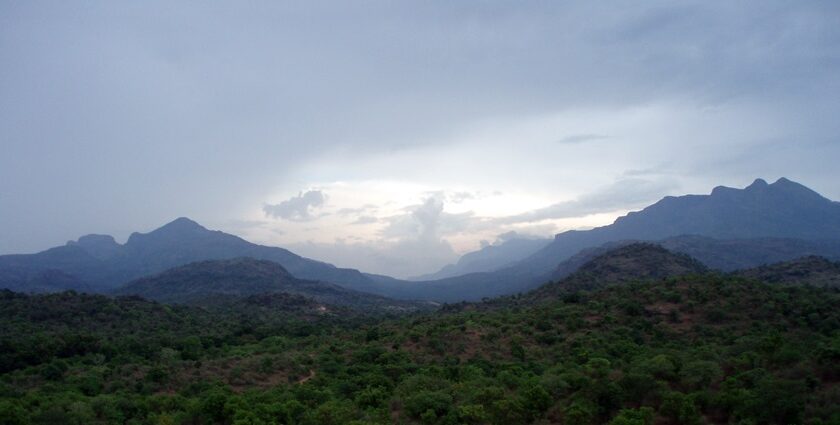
(758,220)
(784,209)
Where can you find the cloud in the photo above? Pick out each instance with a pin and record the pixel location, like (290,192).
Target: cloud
(458,197)
(411,243)
(135,84)
(366,219)
(356,211)
(622,194)
(297,208)
(417,240)
(513,234)
(428,217)
(426,221)
(575,139)
(399,259)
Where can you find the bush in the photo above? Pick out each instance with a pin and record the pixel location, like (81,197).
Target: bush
(641,416)
(438,402)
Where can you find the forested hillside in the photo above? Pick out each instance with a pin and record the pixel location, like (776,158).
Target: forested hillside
(702,349)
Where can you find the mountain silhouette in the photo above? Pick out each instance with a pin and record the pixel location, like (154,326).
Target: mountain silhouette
(783,209)
(102,264)
(726,229)
(204,281)
(756,219)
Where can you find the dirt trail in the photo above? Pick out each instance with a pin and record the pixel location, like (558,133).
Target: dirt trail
(307,377)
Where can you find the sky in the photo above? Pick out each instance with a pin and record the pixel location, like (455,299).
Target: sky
(395,136)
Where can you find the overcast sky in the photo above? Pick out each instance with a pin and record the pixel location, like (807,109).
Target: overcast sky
(393,136)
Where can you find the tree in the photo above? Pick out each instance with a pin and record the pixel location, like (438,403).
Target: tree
(12,413)
(680,408)
(641,416)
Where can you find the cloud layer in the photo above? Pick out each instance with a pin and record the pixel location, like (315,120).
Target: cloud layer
(534,117)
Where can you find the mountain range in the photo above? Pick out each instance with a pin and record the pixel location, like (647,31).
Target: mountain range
(102,264)
(727,229)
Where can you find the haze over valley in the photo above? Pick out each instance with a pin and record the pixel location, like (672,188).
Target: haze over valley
(437,213)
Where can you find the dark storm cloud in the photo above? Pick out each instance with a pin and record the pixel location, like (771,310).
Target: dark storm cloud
(129,114)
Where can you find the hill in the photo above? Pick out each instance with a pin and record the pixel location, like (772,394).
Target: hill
(723,255)
(211,282)
(699,349)
(736,254)
(102,264)
(812,270)
(39,281)
(44,327)
(635,262)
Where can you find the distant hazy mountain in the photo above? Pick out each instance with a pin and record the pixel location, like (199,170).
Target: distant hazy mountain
(490,258)
(39,281)
(204,282)
(783,209)
(758,217)
(98,262)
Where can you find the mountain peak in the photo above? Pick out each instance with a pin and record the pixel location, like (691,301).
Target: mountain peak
(801,192)
(183,223)
(757,184)
(94,240)
(181,226)
(790,185)
(782,180)
(99,246)
(179,229)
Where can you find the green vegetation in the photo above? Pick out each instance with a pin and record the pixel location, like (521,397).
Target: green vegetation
(811,270)
(703,349)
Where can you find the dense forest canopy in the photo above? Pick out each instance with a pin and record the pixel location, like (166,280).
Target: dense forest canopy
(702,348)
